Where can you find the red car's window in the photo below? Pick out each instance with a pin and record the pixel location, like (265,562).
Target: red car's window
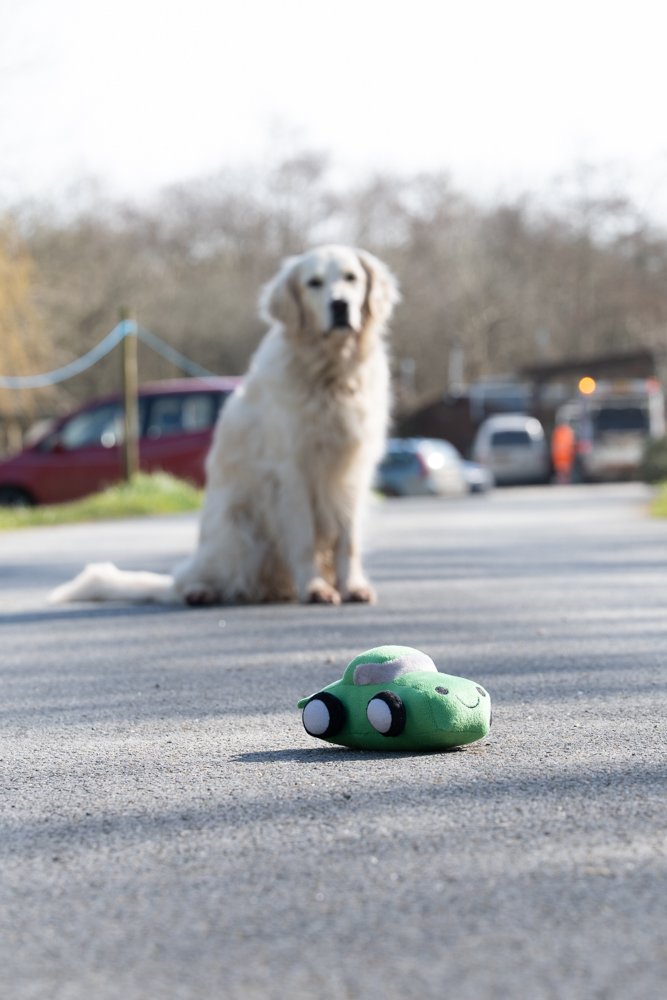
(185,413)
(97,426)
(102,425)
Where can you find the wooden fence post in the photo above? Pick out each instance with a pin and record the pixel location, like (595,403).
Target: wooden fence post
(130,376)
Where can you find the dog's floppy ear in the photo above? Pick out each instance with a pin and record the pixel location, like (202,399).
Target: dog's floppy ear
(382,294)
(280,299)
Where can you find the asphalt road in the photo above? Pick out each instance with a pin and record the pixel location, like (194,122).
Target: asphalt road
(168,829)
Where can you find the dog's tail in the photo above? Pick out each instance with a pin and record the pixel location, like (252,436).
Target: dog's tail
(105,582)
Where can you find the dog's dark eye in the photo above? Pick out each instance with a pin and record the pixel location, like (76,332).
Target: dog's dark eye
(350,277)
(315,283)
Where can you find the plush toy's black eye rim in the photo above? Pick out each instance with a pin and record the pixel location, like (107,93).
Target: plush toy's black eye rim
(336,710)
(396,710)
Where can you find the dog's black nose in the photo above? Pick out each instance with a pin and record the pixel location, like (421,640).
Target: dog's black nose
(339,313)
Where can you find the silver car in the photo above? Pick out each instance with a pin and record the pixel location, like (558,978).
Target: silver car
(421,466)
(514,448)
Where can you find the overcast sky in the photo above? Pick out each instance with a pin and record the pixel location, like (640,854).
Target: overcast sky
(505,94)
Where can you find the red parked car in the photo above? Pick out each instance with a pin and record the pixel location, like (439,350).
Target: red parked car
(82,452)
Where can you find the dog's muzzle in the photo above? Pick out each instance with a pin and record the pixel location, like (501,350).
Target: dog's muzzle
(340,313)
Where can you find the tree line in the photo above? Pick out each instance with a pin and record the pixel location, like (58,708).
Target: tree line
(501,283)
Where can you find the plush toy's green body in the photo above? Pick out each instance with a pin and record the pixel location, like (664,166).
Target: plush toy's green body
(394,698)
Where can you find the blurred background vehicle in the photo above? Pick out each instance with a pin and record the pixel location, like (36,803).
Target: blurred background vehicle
(513,448)
(479,479)
(428,467)
(613,422)
(81,452)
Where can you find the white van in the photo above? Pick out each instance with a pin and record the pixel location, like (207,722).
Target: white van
(514,448)
(612,426)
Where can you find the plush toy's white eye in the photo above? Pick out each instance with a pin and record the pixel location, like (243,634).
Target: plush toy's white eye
(386,713)
(323,715)
(379,715)
(316,717)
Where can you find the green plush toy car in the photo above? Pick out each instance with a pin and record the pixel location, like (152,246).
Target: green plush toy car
(394,698)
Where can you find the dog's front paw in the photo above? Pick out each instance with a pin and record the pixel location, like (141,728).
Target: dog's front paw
(321,592)
(362,593)
(199,595)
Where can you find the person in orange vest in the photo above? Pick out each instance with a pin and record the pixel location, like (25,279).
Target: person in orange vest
(563,452)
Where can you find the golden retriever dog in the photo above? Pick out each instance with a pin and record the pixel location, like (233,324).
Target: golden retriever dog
(294,450)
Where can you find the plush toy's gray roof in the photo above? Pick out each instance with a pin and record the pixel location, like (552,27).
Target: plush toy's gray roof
(382,672)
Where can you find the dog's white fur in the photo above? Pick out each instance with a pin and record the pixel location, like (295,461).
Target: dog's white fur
(294,450)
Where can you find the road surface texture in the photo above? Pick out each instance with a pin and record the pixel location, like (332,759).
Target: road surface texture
(170,831)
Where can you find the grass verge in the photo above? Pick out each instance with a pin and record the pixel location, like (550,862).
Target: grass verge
(154,494)
(659,505)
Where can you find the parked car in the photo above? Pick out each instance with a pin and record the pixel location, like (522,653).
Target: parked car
(514,448)
(81,453)
(613,425)
(479,479)
(427,466)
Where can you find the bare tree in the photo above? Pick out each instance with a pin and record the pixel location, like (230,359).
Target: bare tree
(494,286)
(22,343)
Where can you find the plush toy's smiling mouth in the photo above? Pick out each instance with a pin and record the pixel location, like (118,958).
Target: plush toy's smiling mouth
(459,698)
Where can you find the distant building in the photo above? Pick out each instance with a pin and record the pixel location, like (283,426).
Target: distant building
(536,389)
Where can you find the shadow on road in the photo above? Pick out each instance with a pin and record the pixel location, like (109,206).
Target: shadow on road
(329,754)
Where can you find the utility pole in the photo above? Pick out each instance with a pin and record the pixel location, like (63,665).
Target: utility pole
(130,378)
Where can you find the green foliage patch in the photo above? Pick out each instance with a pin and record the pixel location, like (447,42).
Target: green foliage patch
(654,461)
(659,505)
(145,494)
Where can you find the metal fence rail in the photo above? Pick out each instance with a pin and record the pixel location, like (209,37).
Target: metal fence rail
(125,328)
